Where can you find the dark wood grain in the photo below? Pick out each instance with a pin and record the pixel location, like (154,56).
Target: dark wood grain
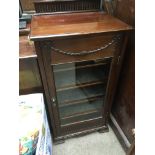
(44,55)
(52,26)
(128,14)
(77,44)
(113,77)
(48,105)
(76,32)
(74,132)
(29,75)
(78,126)
(124,103)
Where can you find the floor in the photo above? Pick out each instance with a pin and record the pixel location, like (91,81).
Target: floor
(92,144)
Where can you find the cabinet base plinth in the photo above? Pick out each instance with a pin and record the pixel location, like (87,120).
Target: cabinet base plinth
(60,140)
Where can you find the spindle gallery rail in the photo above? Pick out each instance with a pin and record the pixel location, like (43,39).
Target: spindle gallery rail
(43,6)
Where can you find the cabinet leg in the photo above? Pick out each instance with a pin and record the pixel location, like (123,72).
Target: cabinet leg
(104,129)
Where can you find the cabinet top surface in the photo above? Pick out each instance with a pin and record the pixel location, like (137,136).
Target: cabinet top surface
(58,25)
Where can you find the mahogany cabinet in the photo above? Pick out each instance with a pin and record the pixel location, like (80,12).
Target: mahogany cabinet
(80,57)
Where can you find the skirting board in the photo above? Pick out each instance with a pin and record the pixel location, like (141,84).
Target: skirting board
(119,133)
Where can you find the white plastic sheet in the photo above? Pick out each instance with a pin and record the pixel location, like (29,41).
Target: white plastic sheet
(34,133)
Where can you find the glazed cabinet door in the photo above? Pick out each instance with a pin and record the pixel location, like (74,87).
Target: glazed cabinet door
(80,90)
(80,87)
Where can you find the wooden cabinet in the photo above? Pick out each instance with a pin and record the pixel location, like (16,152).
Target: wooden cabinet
(80,57)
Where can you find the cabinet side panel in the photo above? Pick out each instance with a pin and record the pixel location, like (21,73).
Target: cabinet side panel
(124,105)
(123,108)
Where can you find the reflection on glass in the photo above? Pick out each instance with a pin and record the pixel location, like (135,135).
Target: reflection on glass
(81,89)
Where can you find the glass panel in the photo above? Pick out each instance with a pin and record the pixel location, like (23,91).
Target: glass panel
(81,89)
(78,76)
(78,109)
(80,118)
(79,94)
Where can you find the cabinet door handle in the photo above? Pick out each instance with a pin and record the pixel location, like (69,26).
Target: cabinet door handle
(53,99)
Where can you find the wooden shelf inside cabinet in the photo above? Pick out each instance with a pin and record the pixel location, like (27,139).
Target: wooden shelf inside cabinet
(76,95)
(65,81)
(82,101)
(80,67)
(77,114)
(79,87)
(81,77)
(91,115)
(83,109)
